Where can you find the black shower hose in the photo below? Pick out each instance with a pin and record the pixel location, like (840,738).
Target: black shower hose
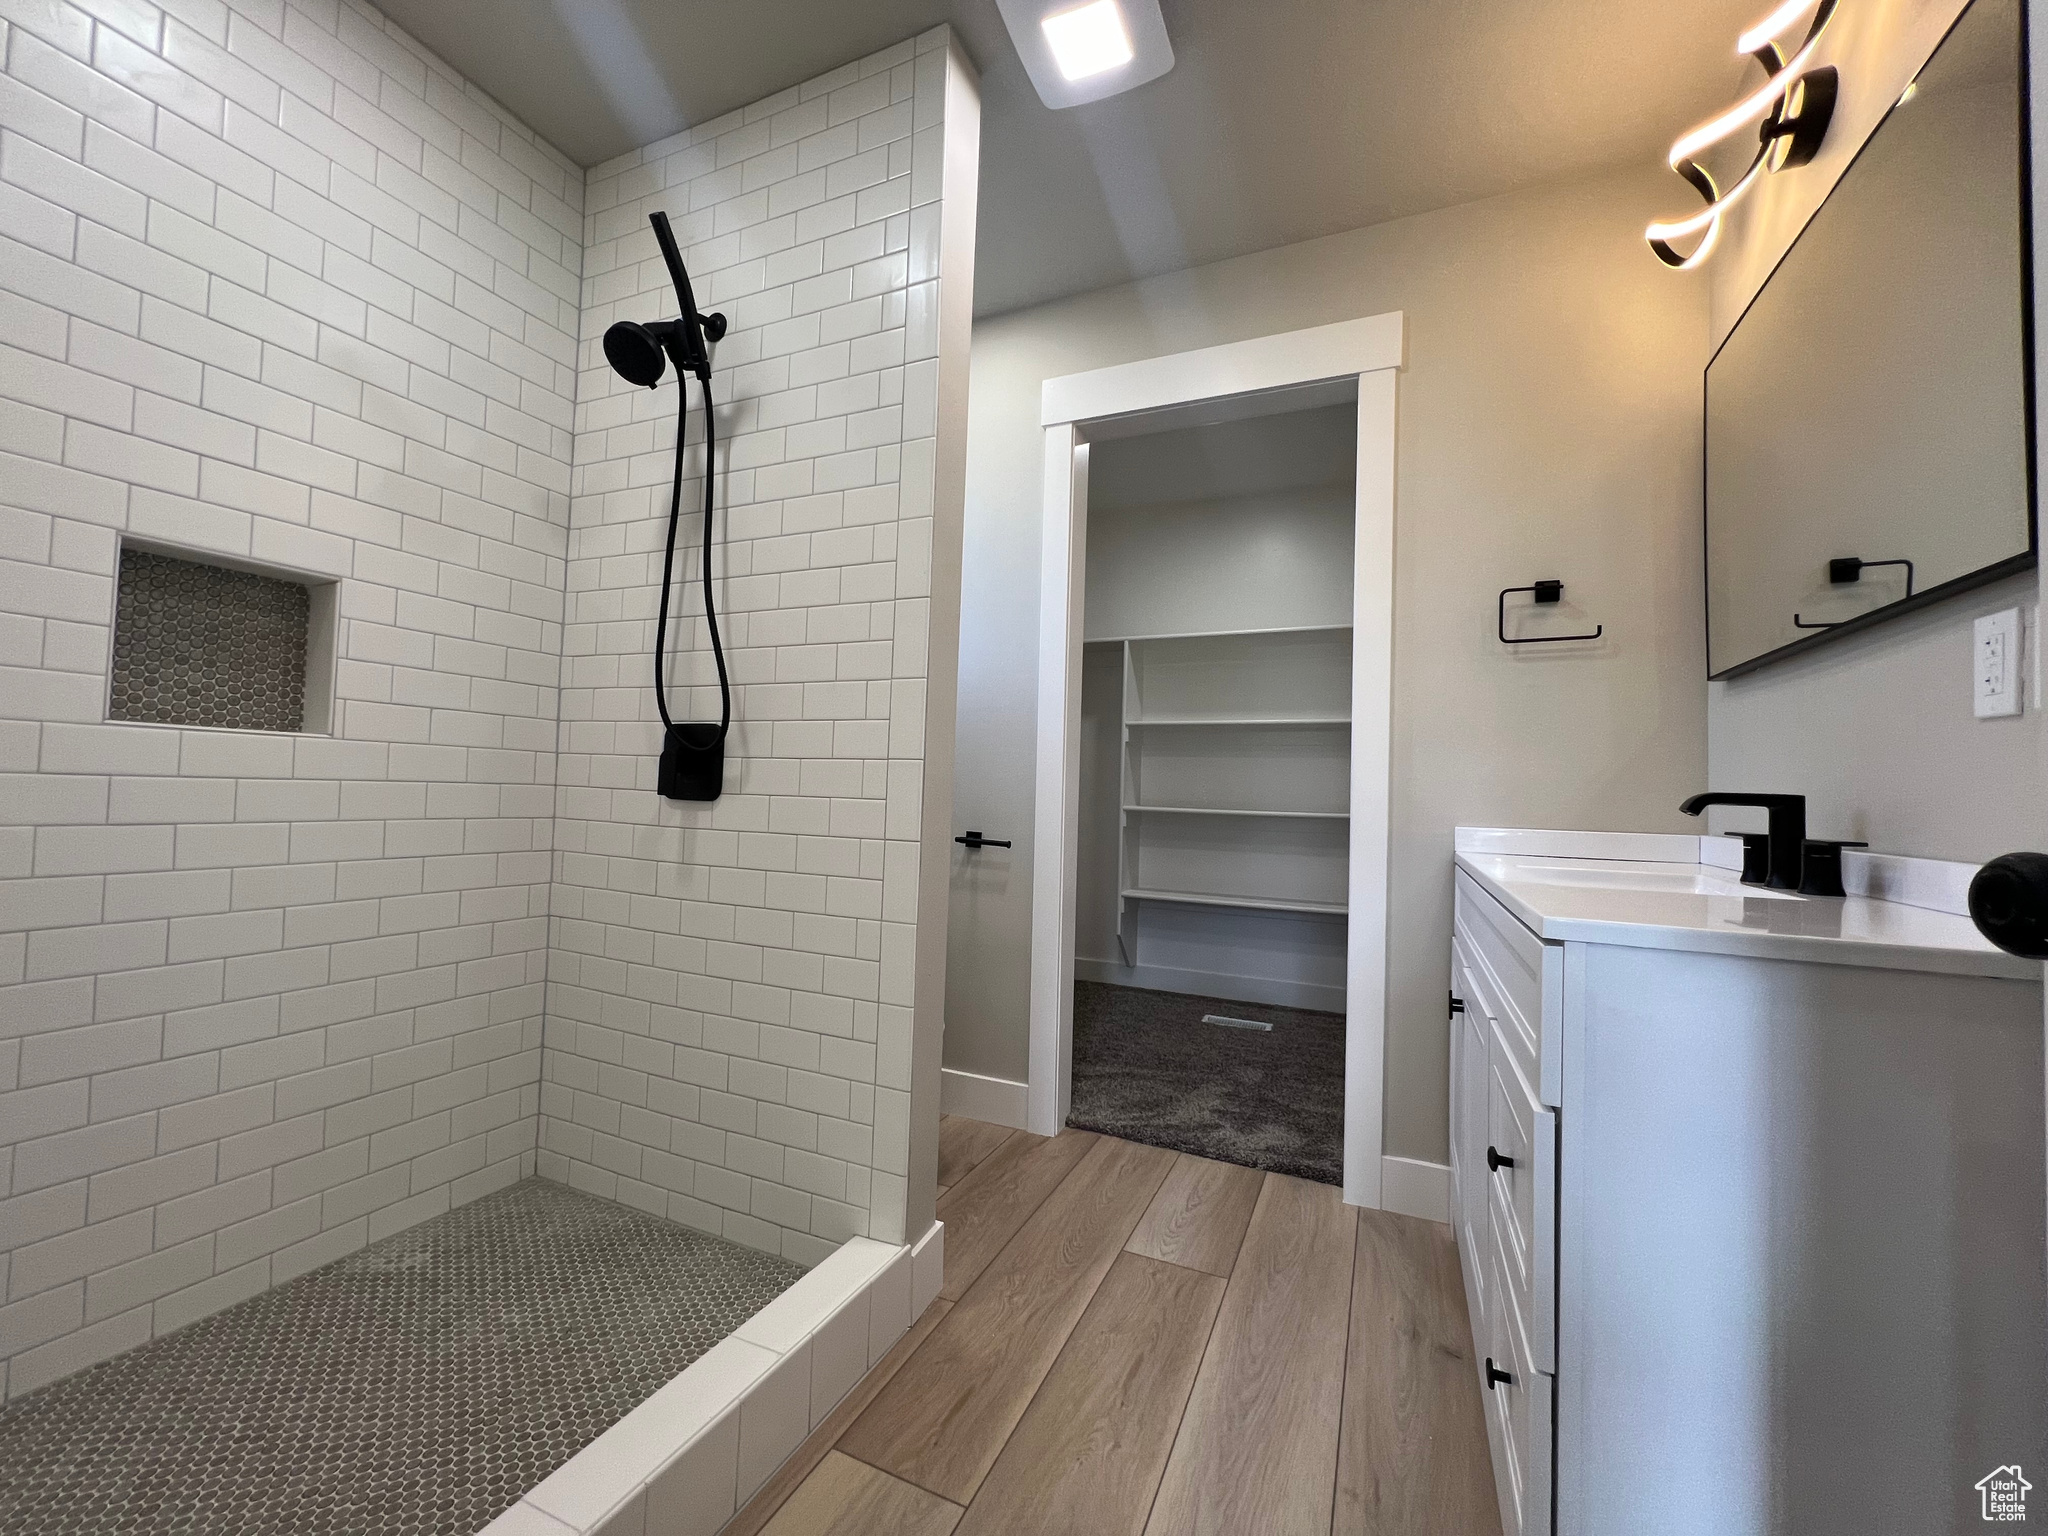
(668,563)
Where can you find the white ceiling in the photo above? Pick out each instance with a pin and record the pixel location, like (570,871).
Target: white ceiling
(1282,120)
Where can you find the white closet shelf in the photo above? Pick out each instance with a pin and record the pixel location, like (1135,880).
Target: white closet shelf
(1240,720)
(1246,903)
(1210,810)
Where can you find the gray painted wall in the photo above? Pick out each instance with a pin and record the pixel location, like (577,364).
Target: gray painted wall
(1240,525)
(1549,427)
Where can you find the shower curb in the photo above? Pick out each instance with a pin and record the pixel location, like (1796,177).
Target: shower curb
(690,1456)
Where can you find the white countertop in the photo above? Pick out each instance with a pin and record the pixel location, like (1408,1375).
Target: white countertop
(1660,904)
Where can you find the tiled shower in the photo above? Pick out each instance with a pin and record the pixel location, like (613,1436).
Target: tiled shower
(283,295)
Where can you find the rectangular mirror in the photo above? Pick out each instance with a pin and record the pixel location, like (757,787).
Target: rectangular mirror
(1869,420)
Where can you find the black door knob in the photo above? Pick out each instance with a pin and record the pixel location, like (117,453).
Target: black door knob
(1497,1160)
(2009,903)
(1496,1377)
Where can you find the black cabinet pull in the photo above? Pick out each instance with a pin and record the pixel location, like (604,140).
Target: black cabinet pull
(976,840)
(1457,1003)
(1497,1160)
(1496,1377)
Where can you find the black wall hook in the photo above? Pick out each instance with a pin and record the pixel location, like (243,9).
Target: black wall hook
(1542,592)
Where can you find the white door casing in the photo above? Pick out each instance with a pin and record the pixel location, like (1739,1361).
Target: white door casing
(1368,352)
(1063,580)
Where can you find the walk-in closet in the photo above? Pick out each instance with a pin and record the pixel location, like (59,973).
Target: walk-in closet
(1213,853)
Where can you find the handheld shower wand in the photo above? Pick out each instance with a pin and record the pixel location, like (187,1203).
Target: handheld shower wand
(692,755)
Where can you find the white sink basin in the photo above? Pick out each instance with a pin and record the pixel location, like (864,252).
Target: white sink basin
(1651,879)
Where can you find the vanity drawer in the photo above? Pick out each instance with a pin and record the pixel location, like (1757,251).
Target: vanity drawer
(1511,1131)
(1471,1067)
(1519,1420)
(1522,1203)
(1522,979)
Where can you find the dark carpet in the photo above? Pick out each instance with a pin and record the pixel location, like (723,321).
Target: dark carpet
(1147,1068)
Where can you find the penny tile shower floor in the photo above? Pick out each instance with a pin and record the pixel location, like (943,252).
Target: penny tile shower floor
(421,1385)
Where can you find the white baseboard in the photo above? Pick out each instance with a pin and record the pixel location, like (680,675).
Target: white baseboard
(1242,989)
(1415,1188)
(997,1100)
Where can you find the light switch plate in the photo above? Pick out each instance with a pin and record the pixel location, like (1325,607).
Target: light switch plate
(1995,660)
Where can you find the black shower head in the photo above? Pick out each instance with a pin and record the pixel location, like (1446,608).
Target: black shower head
(637,350)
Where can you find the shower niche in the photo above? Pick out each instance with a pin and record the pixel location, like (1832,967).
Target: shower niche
(202,641)
(1216,710)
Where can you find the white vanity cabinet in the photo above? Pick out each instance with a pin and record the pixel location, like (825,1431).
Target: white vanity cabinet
(1504,1178)
(1760,1248)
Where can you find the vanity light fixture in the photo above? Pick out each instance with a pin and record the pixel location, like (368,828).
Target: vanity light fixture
(1077,53)
(1790,112)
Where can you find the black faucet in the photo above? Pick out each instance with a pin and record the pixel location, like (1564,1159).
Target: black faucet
(1787,836)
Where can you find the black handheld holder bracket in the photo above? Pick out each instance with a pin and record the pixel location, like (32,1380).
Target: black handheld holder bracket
(692,762)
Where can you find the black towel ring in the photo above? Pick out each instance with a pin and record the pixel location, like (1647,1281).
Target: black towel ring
(1543,592)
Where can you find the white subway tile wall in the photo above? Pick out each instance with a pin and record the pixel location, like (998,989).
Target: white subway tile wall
(274,284)
(731,986)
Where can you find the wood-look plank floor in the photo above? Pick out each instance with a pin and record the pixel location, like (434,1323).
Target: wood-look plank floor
(963,1144)
(1088,1453)
(846,1498)
(984,1210)
(1412,1455)
(1199,1218)
(944,1419)
(1277,1362)
(1139,1343)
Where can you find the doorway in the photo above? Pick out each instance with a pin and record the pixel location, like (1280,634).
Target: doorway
(1214,710)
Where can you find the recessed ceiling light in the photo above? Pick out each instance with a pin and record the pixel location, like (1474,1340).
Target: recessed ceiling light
(1079,53)
(1088,39)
